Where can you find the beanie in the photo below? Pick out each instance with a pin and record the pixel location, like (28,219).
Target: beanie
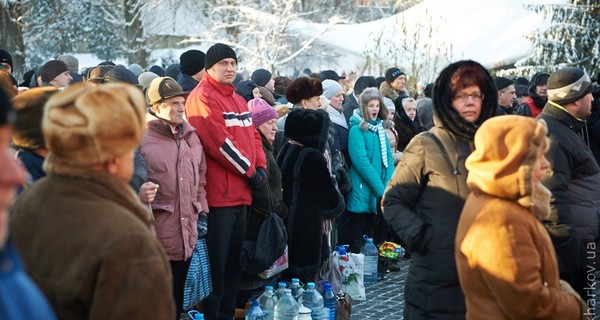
(392,73)
(539,79)
(261,77)
(5,57)
(218,52)
(261,111)
(52,69)
(145,78)
(136,69)
(30,110)
(120,74)
(364,82)
(158,70)
(568,84)
(76,119)
(521,91)
(71,62)
(502,83)
(163,88)
(191,62)
(173,70)
(331,88)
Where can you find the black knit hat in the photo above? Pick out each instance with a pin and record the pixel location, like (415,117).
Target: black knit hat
(568,84)
(158,70)
(5,57)
(364,82)
(261,77)
(218,52)
(502,82)
(539,79)
(120,74)
(52,69)
(521,91)
(192,62)
(392,73)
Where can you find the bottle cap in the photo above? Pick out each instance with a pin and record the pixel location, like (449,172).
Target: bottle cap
(310,285)
(295,280)
(327,286)
(268,288)
(281,285)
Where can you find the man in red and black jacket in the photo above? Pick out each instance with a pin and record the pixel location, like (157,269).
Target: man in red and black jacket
(235,166)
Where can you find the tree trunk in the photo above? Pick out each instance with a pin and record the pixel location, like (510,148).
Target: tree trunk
(11,35)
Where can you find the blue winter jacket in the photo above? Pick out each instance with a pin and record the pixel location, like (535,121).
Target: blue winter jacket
(368,174)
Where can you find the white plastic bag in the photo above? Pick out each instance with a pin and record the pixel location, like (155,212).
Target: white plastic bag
(351,266)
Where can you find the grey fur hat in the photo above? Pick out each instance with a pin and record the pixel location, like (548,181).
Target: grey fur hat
(373,94)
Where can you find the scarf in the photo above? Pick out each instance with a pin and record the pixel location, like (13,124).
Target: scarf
(378,129)
(337,117)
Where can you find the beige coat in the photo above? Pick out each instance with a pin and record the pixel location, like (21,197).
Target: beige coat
(505,259)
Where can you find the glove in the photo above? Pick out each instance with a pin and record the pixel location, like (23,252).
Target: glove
(202,225)
(258,179)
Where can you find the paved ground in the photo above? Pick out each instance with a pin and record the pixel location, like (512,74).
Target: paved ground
(385,300)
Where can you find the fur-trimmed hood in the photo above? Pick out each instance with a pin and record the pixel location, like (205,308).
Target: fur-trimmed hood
(502,165)
(446,116)
(308,127)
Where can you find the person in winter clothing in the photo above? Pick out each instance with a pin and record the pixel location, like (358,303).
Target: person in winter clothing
(266,201)
(538,95)
(309,191)
(85,237)
(19,296)
(425,196)
(192,68)
(506,95)
(334,93)
(176,168)
(394,89)
(55,73)
(425,113)
(504,256)
(360,85)
(28,139)
(236,166)
(372,168)
(574,221)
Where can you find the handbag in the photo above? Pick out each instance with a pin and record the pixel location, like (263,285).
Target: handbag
(343,306)
(198,283)
(278,266)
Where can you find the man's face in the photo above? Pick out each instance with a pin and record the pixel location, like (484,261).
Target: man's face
(584,109)
(62,80)
(313,103)
(6,67)
(541,90)
(224,71)
(172,109)
(399,84)
(506,96)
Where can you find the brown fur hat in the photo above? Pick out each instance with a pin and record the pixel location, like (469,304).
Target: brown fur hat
(303,88)
(29,105)
(86,124)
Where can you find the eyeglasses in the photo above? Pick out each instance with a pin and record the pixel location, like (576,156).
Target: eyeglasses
(463,97)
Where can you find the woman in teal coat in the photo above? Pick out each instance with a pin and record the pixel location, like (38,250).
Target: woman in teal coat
(372,168)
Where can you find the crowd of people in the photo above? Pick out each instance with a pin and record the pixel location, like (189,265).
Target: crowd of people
(491,184)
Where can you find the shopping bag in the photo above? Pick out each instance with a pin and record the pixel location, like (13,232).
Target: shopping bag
(351,266)
(277,267)
(198,284)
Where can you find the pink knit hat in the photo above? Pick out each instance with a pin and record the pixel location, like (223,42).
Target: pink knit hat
(261,111)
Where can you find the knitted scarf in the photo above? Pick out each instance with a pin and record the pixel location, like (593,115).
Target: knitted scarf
(378,129)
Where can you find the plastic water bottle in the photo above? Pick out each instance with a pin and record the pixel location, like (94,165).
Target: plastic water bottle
(267,303)
(304,313)
(329,300)
(296,288)
(280,290)
(255,312)
(371,255)
(312,299)
(287,307)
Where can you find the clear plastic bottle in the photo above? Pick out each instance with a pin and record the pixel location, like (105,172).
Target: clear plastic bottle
(371,257)
(329,300)
(296,288)
(280,290)
(255,312)
(312,299)
(287,307)
(267,303)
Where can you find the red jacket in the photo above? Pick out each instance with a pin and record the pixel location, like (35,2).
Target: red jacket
(233,147)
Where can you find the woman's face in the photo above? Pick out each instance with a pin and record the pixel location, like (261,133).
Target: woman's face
(269,129)
(467,102)
(373,109)
(411,110)
(337,100)
(540,167)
